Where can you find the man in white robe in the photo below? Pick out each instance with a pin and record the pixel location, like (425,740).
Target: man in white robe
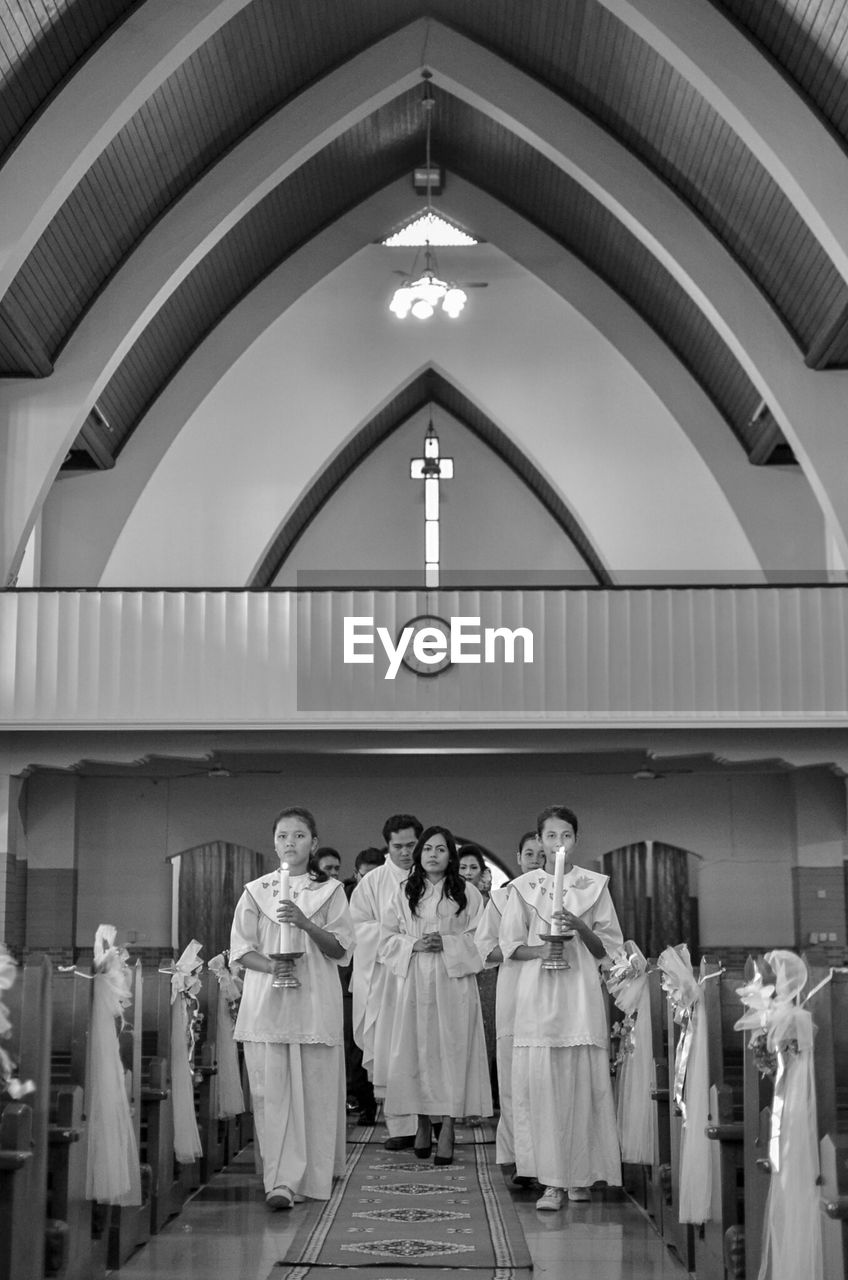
(373,988)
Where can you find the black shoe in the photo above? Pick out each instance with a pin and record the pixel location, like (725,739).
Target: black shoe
(368,1117)
(423,1141)
(443,1159)
(399,1144)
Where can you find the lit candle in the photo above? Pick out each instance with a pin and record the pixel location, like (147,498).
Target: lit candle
(286,936)
(559,876)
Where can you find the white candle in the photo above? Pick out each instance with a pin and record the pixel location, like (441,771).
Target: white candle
(286,936)
(559,876)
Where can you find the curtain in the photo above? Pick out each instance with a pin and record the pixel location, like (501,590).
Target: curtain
(671,921)
(627,870)
(212,877)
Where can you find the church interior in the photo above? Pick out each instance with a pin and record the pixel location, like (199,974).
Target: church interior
(222,456)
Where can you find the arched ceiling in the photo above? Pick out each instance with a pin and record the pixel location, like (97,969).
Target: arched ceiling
(223,137)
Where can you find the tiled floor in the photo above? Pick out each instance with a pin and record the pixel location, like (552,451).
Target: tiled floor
(226,1233)
(604,1240)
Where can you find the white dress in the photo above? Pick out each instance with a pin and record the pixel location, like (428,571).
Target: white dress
(437,1059)
(488,931)
(293,1040)
(563,1110)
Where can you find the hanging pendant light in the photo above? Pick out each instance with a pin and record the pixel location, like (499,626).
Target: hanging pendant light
(420,296)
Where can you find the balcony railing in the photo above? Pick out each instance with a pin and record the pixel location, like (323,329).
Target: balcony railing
(765,656)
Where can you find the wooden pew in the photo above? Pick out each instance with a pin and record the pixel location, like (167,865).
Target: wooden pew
(658,1183)
(757,1092)
(680,1236)
(84,1241)
(171,1181)
(157,1118)
(658,1176)
(24,1127)
(212,1130)
(829,1007)
(129,1225)
(635,1178)
(719,1247)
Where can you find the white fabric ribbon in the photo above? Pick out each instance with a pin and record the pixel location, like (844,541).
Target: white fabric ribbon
(185,984)
(691,1082)
(627,982)
(782,1042)
(230,1098)
(9,1082)
(112,1167)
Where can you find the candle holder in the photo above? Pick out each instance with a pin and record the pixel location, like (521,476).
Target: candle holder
(288,977)
(556,960)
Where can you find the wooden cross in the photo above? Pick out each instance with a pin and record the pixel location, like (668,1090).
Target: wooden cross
(431,469)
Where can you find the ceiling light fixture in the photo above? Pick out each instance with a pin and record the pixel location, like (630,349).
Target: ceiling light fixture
(421,295)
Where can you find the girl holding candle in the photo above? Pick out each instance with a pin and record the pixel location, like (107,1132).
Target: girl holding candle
(437,1058)
(293,1037)
(563,1111)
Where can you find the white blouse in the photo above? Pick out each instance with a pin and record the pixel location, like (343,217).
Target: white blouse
(560,1008)
(312,1012)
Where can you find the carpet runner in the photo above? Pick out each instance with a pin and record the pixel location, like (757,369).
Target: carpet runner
(480,1131)
(395,1218)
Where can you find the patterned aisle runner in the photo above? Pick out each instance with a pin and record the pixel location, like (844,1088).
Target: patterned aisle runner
(427,1219)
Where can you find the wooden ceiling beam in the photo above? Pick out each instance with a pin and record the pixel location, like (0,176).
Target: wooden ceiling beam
(23,351)
(830,344)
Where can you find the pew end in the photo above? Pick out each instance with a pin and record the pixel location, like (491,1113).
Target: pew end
(833,1153)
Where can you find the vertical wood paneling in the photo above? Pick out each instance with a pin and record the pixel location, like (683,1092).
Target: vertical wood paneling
(664,656)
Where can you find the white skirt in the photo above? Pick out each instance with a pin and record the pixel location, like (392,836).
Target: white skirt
(564,1117)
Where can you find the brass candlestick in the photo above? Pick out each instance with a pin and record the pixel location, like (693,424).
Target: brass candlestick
(288,977)
(556,960)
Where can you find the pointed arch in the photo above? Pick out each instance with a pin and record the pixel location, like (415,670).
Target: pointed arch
(427,387)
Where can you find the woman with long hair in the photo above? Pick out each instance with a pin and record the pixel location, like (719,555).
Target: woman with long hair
(438,1067)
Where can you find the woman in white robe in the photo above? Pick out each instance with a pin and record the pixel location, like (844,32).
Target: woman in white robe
(438,1065)
(563,1111)
(293,1036)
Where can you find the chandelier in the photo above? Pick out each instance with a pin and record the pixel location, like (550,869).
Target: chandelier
(420,295)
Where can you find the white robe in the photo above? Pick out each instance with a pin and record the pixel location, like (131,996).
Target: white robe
(367,904)
(373,988)
(563,1110)
(293,1040)
(437,1058)
(486,938)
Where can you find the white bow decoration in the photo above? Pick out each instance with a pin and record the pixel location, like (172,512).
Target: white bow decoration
(9,1081)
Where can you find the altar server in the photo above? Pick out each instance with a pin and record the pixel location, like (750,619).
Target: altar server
(437,1066)
(293,1041)
(372,988)
(563,1110)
